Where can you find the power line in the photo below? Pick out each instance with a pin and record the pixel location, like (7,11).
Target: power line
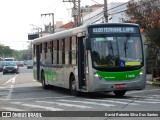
(95,1)
(67,10)
(120,11)
(133,7)
(120,5)
(108,10)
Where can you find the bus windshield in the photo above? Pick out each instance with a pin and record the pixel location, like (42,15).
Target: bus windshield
(116,51)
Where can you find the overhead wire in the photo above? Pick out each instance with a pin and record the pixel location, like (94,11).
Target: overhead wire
(113,13)
(108,10)
(95,1)
(67,11)
(133,7)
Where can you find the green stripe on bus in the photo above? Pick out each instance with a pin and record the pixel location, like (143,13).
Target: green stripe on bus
(117,76)
(50,75)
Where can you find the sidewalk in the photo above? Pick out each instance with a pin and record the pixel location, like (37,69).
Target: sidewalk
(150,82)
(149,79)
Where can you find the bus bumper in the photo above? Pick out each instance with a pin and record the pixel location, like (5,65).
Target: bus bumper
(108,86)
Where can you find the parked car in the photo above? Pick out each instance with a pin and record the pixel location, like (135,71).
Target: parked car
(10,67)
(20,63)
(30,64)
(1,66)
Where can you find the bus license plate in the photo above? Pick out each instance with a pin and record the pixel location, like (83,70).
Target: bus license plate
(119,85)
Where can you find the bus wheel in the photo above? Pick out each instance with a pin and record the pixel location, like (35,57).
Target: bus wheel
(120,93)
(43,82)
(73,86)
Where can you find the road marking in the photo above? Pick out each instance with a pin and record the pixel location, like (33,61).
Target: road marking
(2,87)
(157,96)
(85,102)
(40,98)
(37,106)
(11,109)
(12,80)
(10,92)
(113,101)
(142,91)
(153,100)
(146,102)
(65,104)
(3,93)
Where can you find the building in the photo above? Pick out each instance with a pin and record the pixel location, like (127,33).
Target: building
(115,12)
(92,14)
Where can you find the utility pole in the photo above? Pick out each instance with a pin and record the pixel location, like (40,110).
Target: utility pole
(51,26)
(106,11)
(76,11)
(79,13)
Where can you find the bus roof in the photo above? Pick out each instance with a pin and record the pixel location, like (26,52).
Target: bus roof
(61,34)
(75,31)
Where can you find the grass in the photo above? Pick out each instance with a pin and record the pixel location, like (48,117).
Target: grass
(156,83)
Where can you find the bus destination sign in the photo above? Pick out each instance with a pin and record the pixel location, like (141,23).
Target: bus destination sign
(104,30)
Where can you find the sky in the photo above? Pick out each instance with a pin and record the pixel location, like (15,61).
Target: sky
(17,18)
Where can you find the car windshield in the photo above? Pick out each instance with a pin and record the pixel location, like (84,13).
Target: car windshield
(10,63)
(116,51)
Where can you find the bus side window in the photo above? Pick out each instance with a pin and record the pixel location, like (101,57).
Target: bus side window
(73,49)
(51,51)
(60,51)
(41,48)
(45,50)
(34,51)
(55,52)
(70,50)
(67,49)
(63,51)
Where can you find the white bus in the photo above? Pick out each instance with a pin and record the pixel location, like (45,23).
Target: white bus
(92,58)
(8,59)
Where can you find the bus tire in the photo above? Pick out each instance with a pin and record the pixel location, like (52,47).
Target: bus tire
(73,86)
(43,81)
(120,93)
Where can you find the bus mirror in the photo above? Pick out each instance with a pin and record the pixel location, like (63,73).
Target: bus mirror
(88,44)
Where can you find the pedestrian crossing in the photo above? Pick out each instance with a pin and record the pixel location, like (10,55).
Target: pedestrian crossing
(80,104)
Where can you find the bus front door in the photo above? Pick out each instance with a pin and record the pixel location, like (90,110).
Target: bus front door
(81,63)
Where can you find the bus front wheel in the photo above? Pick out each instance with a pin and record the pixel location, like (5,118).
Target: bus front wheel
(120,93)
(43,81)
(73,86)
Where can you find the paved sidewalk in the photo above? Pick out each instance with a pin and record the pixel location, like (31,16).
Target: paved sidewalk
(149,79)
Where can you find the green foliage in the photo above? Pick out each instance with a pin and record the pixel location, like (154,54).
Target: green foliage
(153,35)
(6,51)
(146,13)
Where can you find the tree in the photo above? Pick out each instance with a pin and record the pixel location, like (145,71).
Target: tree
(147,14)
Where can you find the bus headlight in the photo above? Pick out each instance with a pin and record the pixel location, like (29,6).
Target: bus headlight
(96,75)
(141,73)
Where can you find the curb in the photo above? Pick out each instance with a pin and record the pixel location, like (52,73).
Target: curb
(153,83)
(149,82)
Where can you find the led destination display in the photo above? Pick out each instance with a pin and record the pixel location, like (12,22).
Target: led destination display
(104,30)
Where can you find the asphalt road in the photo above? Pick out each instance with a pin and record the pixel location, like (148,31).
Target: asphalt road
(20,92)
